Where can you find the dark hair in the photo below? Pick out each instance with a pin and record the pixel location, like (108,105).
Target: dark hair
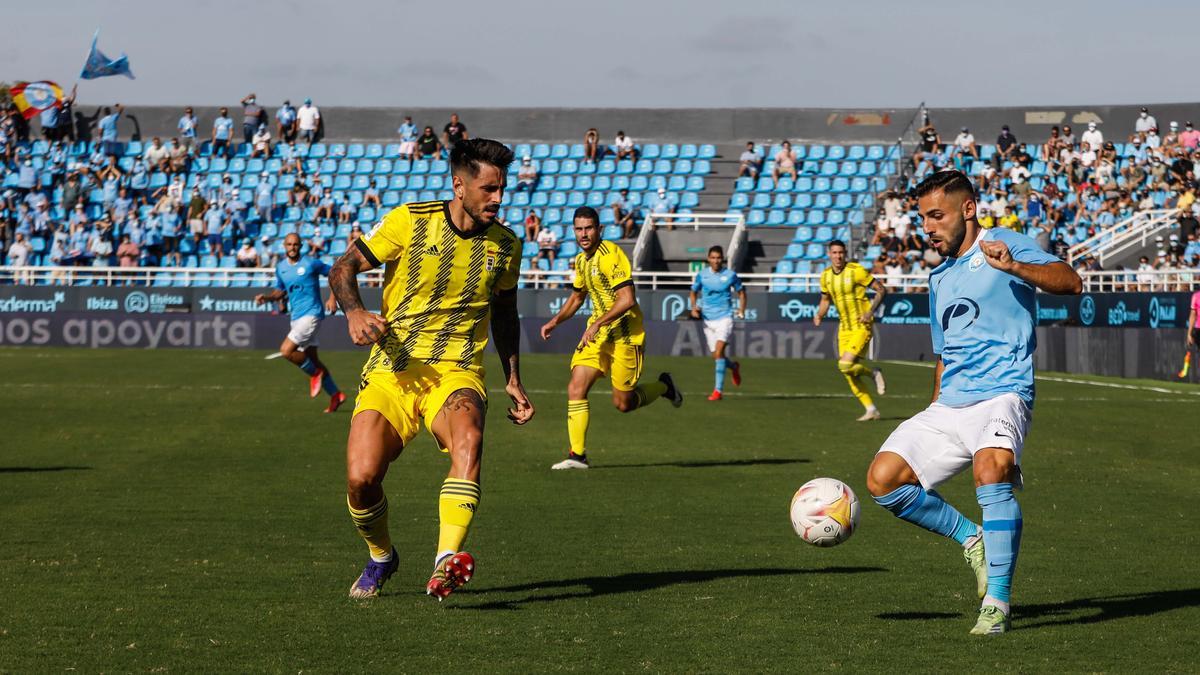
(948,181)
(716,249)
(587,213)
(836,242)
(467,155)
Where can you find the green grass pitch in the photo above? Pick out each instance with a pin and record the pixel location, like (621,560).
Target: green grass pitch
(184,511)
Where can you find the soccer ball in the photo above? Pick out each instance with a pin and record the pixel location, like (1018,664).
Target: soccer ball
(824,512)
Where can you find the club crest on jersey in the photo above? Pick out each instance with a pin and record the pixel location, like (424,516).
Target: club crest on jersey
(300,270)
(489,261)
(976,262)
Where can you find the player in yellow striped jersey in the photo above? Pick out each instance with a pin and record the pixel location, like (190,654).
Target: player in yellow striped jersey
(448,268)
(612,344)
(845,284)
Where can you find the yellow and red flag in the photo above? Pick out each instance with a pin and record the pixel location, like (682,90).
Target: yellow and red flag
(32,98)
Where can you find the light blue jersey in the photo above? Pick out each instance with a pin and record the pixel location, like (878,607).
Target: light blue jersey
(302,283)
(716,292)
(982,321)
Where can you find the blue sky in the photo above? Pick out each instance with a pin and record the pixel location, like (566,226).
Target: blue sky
(619,53)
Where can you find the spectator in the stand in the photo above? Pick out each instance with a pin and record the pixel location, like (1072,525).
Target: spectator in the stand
(408,138)
(264,197)
(285,122)
(1011,220)
(1145,275)
(18,252)
(128,252)
(890,244)
(187,127)
(533,225)
(197,207)
(893,271)
(591,146)
(663,205)
(930,146)
(178,158)
(624,214)
(261,142)
(1145,121)
(253,116)
(214,224)
(785,162)
(108,130)
(1093,136)
(56,120)
(1170,141)
(356,233)
(1189,138)
(342,206)
(1007,147)
(72,193)
(1052,148)
(265,256)
(1192,248)
(914,245)
(299,195)
(964,144)
(527,175)
(428,145)
(750,162)
(308,121)
(624,146)
(454,132)
(157,155)
(547,243)
(247,256)
(371,194)
(100,246)
(316,245)
(222,134)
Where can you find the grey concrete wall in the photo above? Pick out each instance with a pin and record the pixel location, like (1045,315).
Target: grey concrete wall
(714,125)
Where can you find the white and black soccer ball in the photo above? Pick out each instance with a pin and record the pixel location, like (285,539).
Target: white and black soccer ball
(824,512)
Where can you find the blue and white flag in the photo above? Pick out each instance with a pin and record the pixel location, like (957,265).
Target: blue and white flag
(99,65)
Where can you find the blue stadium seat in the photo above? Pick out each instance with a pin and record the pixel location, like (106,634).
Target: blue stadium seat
(375,151)
(316,151)
(823,235)
(803,234)
(355,151)
(669,151)
(784,266)
(816,152)
(541,151)
(775,217)
(688,151)
(814,251)
(794,251)
(756,217)
(560,151)
(744,184)
(875,152)
(835,152)
(739,200)
(707,151)
(856,152)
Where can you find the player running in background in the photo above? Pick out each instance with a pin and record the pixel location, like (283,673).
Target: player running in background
(845,285)
(448,268)
(612,343)
(981,307)
(1191,338)
(716,286)
(298,279)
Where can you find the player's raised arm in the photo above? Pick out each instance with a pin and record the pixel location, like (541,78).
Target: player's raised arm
(365,327)
(1052,277)
(572,305)
(506,330)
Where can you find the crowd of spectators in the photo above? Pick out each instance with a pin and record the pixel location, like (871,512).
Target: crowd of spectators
(1061,191)
(151,203)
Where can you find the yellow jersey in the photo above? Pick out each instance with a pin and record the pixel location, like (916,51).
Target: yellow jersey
(848,289)
(438,285)
(601,276)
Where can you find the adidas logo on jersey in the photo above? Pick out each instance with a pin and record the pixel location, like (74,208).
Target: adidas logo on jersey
(432,250)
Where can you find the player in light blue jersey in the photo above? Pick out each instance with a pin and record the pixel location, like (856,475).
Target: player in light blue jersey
(716,286)
(982,310)
(298,279)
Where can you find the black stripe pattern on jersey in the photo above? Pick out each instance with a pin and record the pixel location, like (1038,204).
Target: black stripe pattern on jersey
(441,283)
(467,357)
(456,316)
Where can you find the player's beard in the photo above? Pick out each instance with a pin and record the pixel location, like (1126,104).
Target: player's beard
(481,214)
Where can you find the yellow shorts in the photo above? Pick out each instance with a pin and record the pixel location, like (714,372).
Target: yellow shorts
(409,397)
(621,363)
(854,341)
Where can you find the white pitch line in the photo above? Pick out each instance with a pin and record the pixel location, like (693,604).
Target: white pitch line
(1071,380)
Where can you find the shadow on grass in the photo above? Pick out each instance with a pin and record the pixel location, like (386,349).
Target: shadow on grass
(1106,608)
(702,464)
(42,469)
(636,582)
(1082,611)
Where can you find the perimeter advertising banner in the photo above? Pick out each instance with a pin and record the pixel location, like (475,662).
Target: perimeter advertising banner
(1118,310)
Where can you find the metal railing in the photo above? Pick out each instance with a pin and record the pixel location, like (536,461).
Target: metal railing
(1137,230)
(641,248)
(263,277)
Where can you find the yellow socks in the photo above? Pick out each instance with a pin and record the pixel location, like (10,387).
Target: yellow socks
(646,393)
(372,526)
(853,371)
(578,415)
(456,507)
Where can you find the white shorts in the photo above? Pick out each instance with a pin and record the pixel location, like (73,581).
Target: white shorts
(304,331)
(408,148)
(941,441)
(717,330)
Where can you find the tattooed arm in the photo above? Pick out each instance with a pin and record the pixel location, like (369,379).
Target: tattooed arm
(365,327)
(506,331)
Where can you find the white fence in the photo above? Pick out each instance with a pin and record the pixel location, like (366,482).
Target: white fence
(1134,232)
(262,277)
